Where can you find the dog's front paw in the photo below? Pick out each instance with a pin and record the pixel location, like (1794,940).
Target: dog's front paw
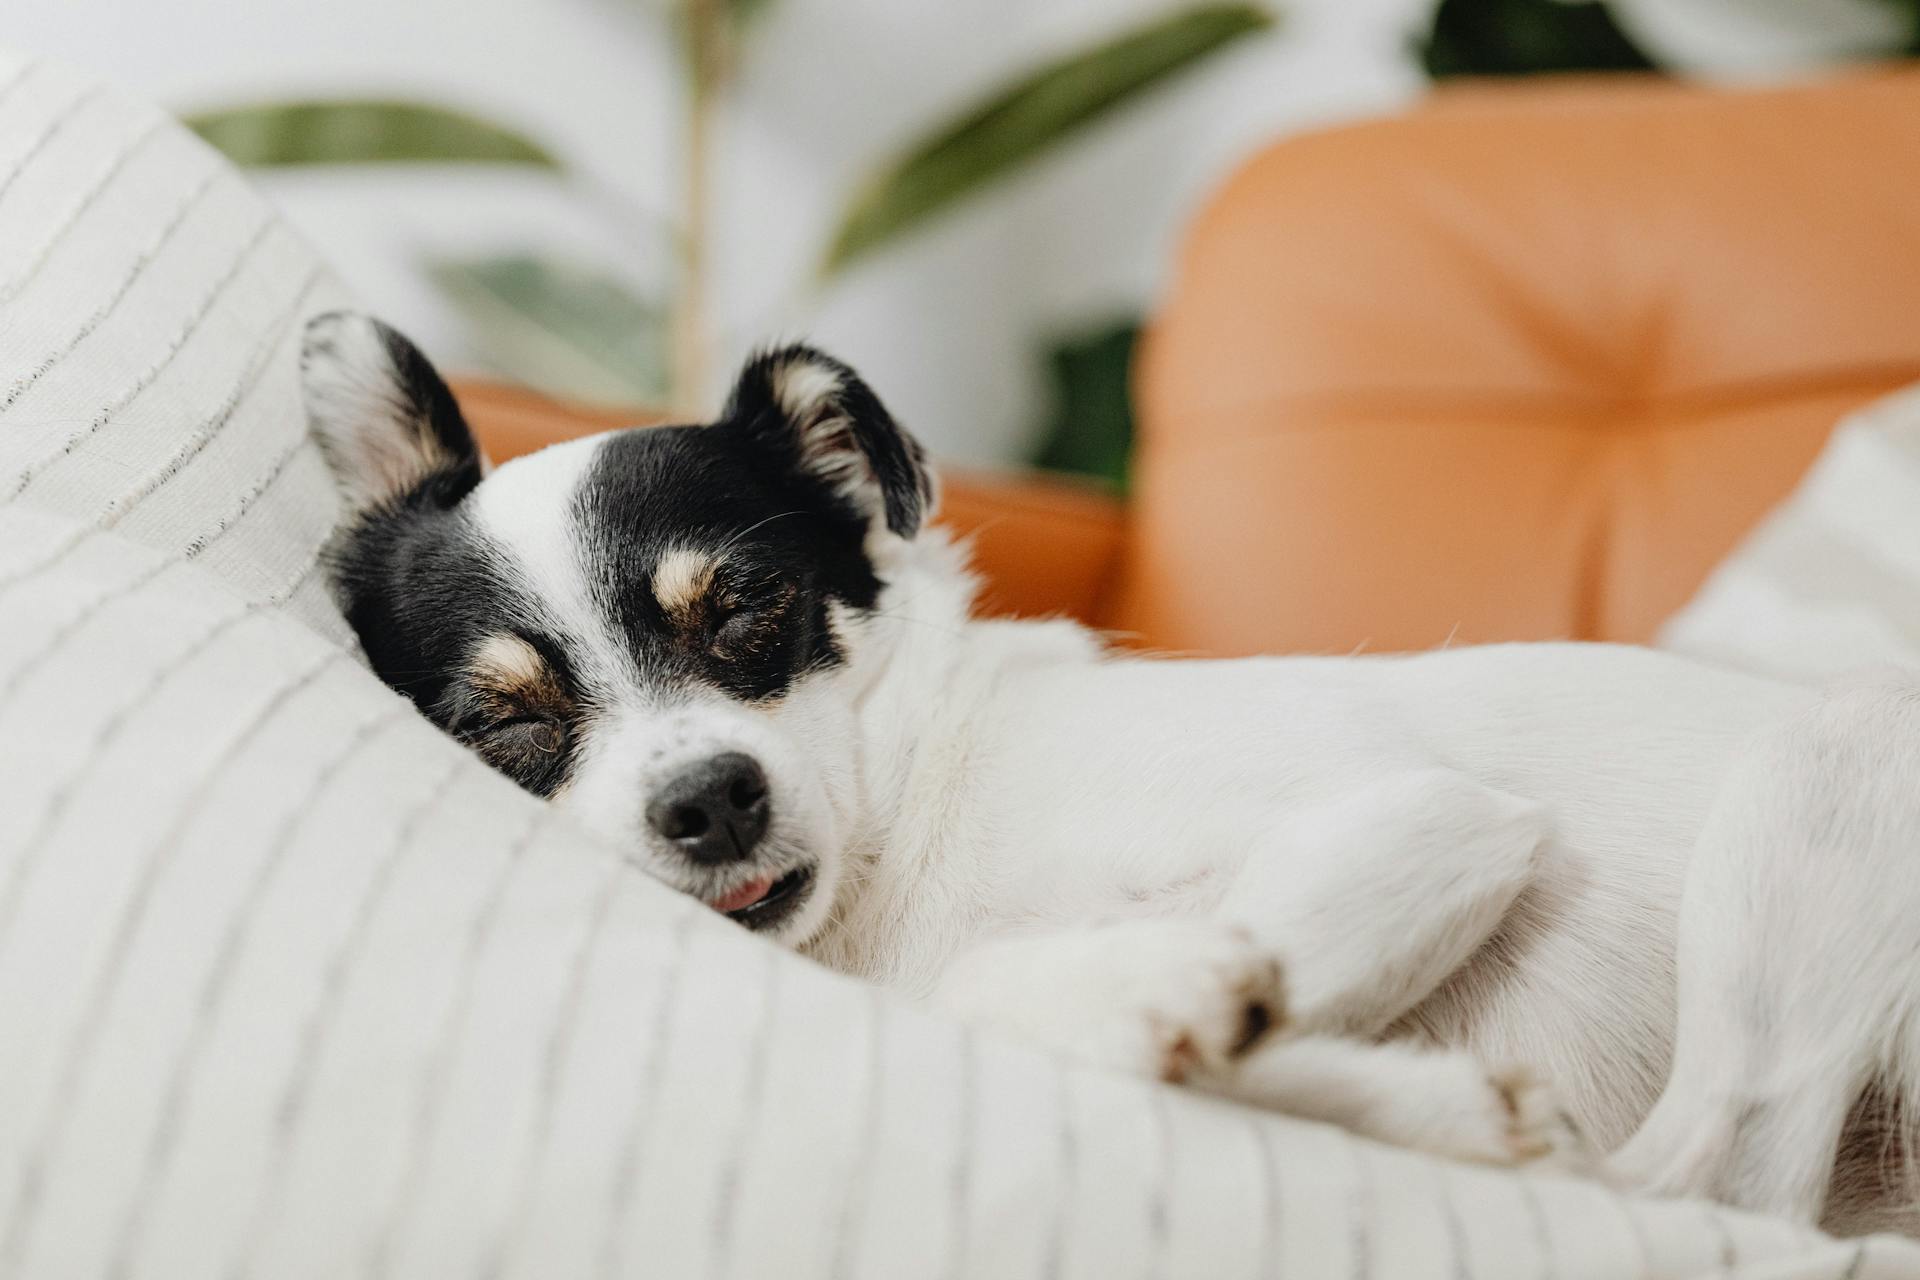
(1184,995)
(1503,1115)
(1157,998)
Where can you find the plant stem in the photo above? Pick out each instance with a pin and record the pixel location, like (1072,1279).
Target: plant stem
(705,70)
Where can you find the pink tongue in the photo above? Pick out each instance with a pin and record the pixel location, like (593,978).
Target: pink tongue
(745,896)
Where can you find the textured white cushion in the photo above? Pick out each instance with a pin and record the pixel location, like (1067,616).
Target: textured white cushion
(1831,580)
(291,986)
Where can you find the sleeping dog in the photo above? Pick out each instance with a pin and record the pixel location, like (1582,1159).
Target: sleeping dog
(1687,897)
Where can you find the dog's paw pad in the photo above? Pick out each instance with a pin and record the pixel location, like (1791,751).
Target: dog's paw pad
(1256,1020)
(1205,994)
(1533,1126)
(1160,998)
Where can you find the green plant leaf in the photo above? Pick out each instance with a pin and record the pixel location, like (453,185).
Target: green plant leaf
(1910,10)
(1026,118)
(1090,431)
(1519,37)
(363,131)
(564,327)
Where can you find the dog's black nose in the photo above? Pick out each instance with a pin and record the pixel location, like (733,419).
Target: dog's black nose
(715,811)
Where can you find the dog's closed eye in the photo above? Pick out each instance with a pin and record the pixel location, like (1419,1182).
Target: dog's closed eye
(748,613)
(532,750)
(532,733)
(723,607)
(515,710)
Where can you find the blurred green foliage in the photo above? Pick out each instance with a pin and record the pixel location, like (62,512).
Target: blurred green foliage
(575,328)
(1525,37)
(1090,430)
(1027,118)
(1911,10)
(363,131)
(566,327)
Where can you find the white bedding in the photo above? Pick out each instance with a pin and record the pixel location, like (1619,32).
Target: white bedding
(291,986)
(1831,580)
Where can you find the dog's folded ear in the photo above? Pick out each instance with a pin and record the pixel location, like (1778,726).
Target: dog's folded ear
(815,415)
(385,421)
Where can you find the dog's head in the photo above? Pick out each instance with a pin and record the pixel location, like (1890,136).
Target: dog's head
(660,629)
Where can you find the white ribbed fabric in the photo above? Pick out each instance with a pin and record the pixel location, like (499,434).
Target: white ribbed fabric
(291,986)
(1831,580)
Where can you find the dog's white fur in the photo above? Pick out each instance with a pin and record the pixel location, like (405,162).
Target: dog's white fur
(1490,850)
(1687,897)
(1474,856)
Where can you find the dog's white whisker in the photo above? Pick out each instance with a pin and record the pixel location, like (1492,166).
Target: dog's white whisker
(736,539)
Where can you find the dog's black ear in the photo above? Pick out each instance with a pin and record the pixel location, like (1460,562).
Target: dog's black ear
(386,422)
(817,416)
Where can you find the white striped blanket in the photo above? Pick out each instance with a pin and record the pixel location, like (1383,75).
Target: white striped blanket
(291,986)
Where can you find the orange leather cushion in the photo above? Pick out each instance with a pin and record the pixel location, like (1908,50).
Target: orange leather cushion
(1043,546)
(1522,364)
(510,420)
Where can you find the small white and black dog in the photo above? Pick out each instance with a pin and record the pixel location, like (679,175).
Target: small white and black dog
(736,651)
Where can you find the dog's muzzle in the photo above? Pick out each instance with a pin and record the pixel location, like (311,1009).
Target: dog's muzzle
(716,813)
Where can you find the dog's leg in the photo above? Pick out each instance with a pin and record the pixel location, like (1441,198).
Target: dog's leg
(1375,898)
(1379,896)
(1144,997)
(1434,1100)
(1799,958)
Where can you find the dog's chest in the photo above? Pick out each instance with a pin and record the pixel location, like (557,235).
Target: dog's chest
(1110,792)
(1145,786)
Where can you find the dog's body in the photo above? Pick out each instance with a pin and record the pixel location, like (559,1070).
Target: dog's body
(1029,781)
(734,650)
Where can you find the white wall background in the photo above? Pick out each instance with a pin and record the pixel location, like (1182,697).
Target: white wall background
(949,326)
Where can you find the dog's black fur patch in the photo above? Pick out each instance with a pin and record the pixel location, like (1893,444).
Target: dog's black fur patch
(784,547)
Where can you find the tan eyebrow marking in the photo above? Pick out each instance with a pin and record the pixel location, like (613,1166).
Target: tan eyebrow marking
(505,664)
(506,659)
(682,578)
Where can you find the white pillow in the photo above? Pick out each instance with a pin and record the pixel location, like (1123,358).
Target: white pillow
(293,986)
(1831,580)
